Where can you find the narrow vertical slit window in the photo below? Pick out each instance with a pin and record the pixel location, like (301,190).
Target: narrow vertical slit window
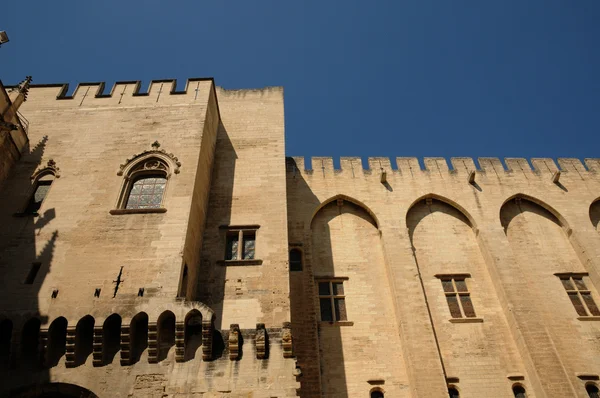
(332,301)
(35,267)
(295,260)
(453,393)
(592,391)
(458,296)
(579,295)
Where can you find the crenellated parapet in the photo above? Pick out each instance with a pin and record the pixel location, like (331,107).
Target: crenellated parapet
(459,166)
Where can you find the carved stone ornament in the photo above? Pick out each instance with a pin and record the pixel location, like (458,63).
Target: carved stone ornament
(261,341)
(234,341)
(286,340)
(152,163)
(50,167)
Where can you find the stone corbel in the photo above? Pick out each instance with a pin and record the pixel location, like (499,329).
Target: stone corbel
(97,348)
(152,342)
(70,347)
(286,340)
(261,341)
(125,345)
(207,339)
(179,341)
(234,342)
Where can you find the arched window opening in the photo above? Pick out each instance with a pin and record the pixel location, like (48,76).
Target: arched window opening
(145,184)
(84,339)
(295,260)
(30,336)
(595,214)
(6,328)
(184,282)
(139,336)
(376,394)
(453,392)
(111,338)
(193,333)
(166,334)
(40,191)
(592,391)
(57,340)
(519,391)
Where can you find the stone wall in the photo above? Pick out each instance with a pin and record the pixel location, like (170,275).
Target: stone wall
(506,231)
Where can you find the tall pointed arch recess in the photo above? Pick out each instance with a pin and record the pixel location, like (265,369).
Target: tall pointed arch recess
(449,202)
(521,196)
(348,199)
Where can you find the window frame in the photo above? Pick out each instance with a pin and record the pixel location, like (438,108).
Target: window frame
(239,231)
(139,170)
(47,177)
(457,294)
(580,293)
(292,249)
(332,297)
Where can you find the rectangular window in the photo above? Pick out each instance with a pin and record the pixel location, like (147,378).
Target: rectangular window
(458,296)
(240,245)
(332,301)
(579,294)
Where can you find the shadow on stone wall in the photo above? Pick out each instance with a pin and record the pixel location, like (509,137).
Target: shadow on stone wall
(305,313)
(25,261)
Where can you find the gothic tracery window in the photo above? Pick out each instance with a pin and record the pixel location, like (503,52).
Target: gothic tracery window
(145,185)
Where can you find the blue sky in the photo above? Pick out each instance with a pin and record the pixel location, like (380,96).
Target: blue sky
(379,78)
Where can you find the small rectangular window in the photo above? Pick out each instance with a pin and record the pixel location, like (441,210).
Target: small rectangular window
(35,267)
(579,294)
(458,296)
(332,301)
(240,244)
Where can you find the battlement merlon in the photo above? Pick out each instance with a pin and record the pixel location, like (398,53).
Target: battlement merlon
(535,167)
(129,92)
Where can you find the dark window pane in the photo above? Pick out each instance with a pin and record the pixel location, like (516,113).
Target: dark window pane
(232,247)
(461,285)
(338,288)
(589,301)
(295,260)
(447,285)
(340,309)
(453,306)
(467,306)
(376,394)
(519,392)
(326,313)
(592,391)
(577,304)
(567,283)
(453,393)
(249,245)
(579,283)
(324,289)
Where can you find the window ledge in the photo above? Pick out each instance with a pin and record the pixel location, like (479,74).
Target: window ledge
(466,320)
(338,323)
(589,318)
(115,212)
(239,262)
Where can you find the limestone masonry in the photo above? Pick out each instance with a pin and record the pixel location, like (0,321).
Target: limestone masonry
(160,244)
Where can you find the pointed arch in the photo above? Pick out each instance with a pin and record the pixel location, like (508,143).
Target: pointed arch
(42,181)
(356,202)
(450,202)
(559,219)
(595,214)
